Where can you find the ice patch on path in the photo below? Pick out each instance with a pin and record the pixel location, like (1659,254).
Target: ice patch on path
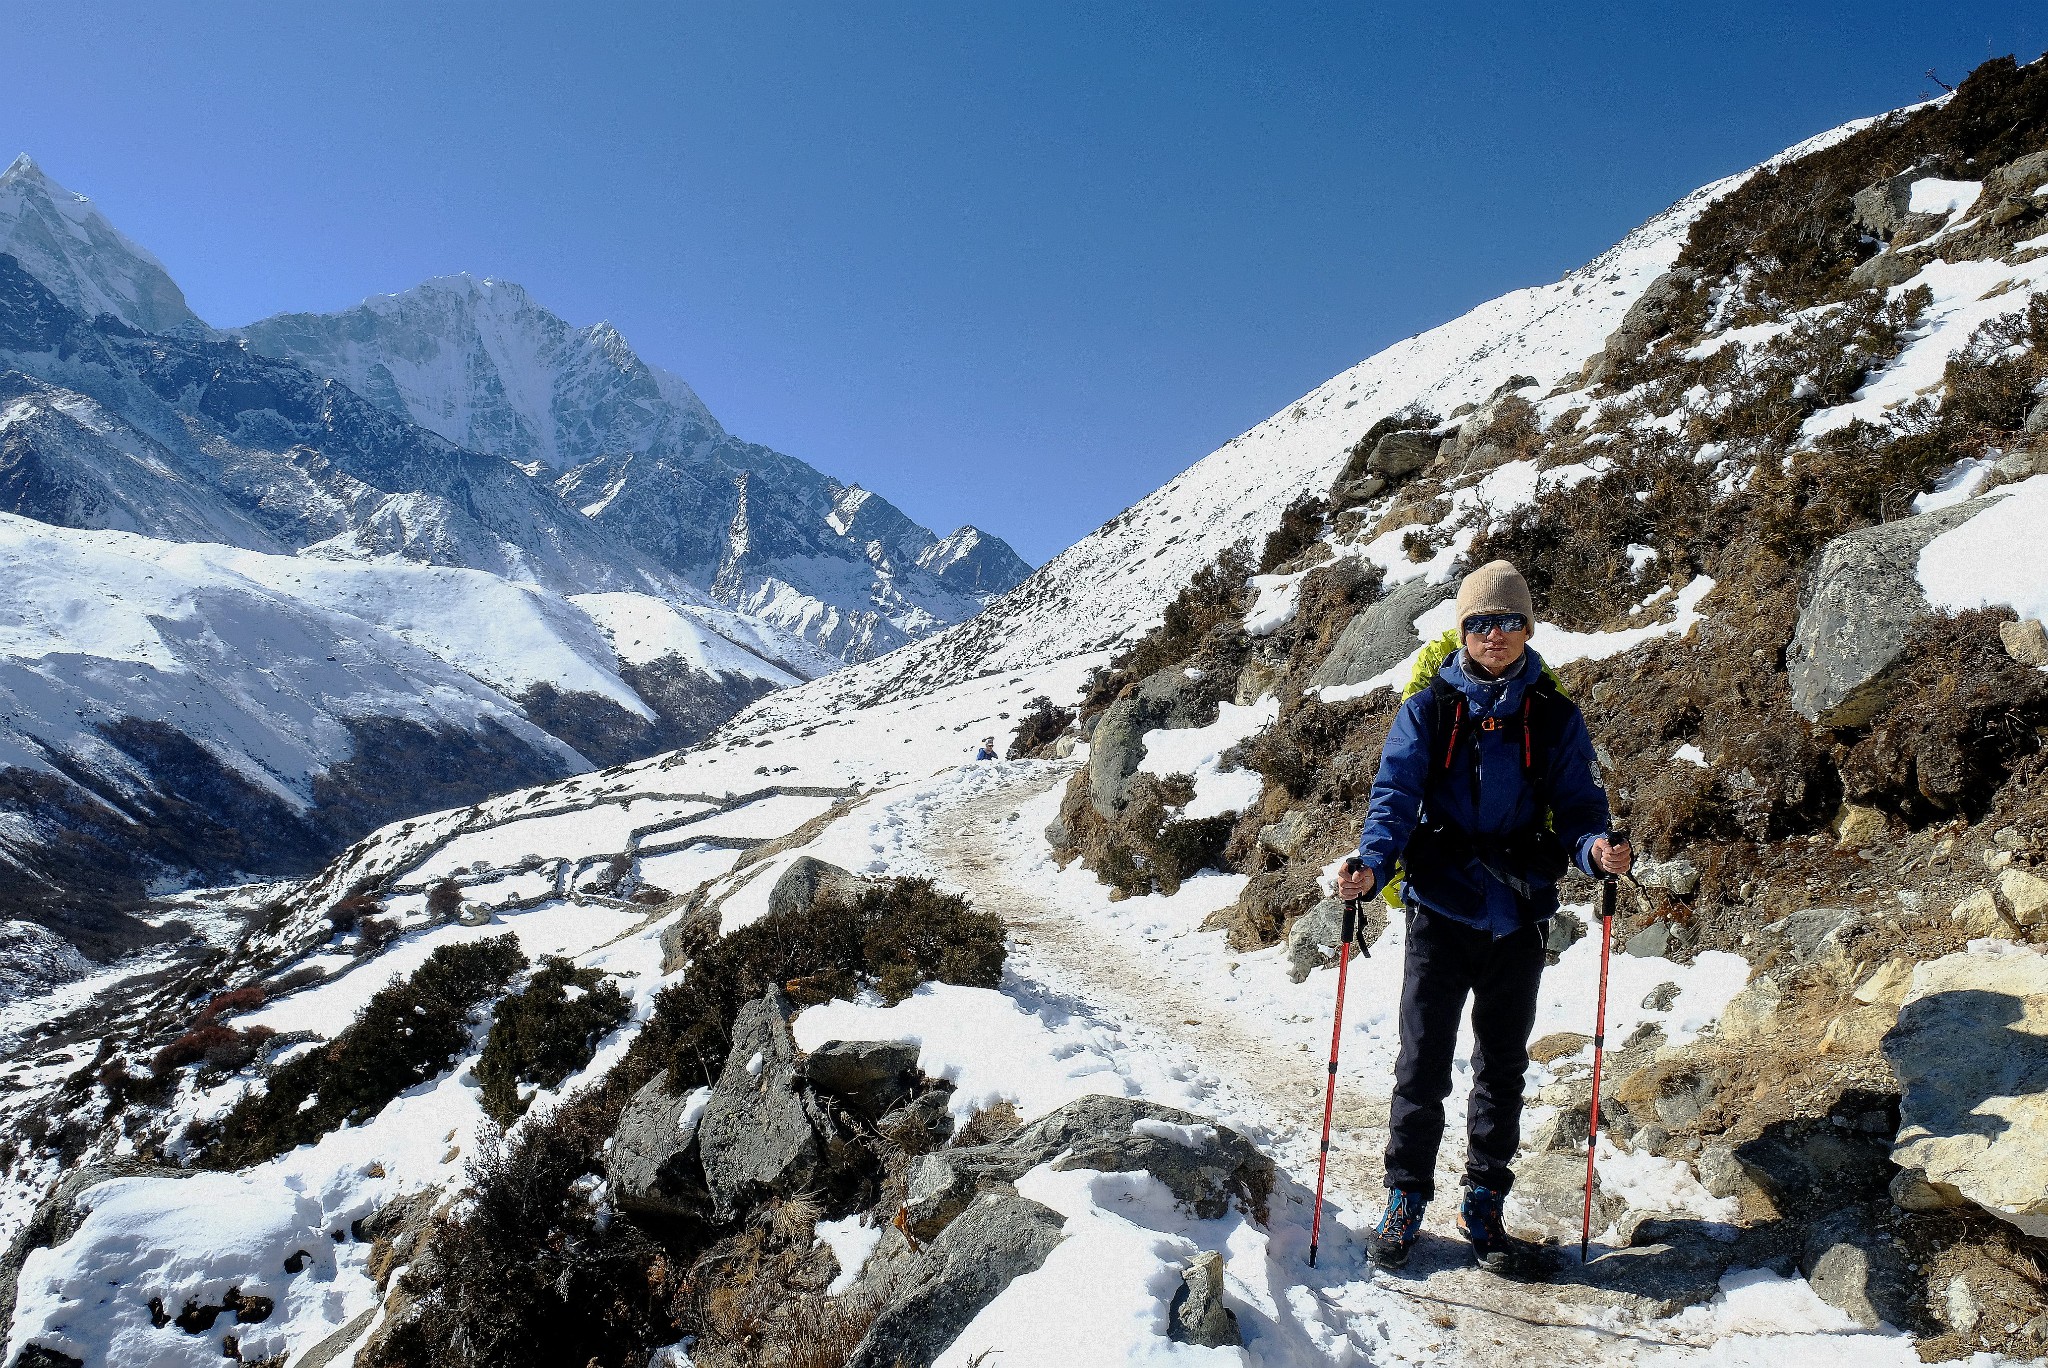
(851,1242)
(1979,565)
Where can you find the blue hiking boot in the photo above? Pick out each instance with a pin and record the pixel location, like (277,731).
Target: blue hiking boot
(1398,1229)
(1480,1221)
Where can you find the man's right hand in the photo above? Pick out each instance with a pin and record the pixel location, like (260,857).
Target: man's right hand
(1354,880)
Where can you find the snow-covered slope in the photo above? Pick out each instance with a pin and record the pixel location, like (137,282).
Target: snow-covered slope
(301,700)
(1113,583)
(90,265)
(631,446)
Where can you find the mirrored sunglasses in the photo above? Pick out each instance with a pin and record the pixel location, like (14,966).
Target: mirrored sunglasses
(1479,624)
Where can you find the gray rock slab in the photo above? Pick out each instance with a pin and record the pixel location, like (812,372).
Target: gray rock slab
(872,1077)
(1197,1314)
(1381,636)
(1204,1165)
(1113,755)
(1313,938)
(998,1238)
(1856,1270)
(1864,600)
(653,1167)
(1400,454)
(805,881)
(760,1133)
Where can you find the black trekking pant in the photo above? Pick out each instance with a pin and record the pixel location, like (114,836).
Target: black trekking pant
(1447,961)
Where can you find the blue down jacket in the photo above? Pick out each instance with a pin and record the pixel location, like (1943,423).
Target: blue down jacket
(1463,890)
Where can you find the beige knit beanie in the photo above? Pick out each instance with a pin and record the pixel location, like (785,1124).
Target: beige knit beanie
(1496,587)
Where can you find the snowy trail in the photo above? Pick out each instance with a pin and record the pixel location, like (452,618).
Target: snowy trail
(1275,1085)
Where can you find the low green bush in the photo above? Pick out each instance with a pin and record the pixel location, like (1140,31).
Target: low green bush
(545,1032)
(406,1033)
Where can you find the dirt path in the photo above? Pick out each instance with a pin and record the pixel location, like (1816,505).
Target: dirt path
(1487,1320)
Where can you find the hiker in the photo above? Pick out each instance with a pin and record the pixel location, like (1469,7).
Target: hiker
(1487,786)
(988,749)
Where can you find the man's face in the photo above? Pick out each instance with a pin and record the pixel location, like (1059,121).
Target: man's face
(1496,640)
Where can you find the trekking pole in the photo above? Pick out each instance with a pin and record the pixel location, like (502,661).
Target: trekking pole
(1315,1228)
(1608,887)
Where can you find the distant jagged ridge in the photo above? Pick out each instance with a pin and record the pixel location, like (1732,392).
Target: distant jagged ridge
(481,363)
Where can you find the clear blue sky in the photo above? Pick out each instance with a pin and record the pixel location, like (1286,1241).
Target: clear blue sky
(1013,265)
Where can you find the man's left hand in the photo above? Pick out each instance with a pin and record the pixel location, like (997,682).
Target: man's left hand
(1612,859)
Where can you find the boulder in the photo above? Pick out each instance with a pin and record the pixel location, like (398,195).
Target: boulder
(806,880)
(872,1077)
(1313,937)
(653,1167)
(1646,320)
(1197,1314)
(2026,642)
(933,1297)
(1381,636)
(1885,270)
(57,1217)
(761,1133)
(1113,755)
(1857,1270)
(2026,896)
(1857,826)
(1978,917)
(1721,1173)
(1287,836)
(1880,209)
(1811,932)
(1679,878)
(1649,943)
(1852,628)
(1971,1054)
(1205,1166)
(2020,176)
(1351,493)
(1400,454)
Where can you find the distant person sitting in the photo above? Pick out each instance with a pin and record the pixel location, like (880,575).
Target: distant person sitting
(988,749)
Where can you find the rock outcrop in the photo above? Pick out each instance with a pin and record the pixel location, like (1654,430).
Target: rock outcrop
(653,1167)
(1205,1166)
(808,879)
(762,1132)
(1382,636)
(1852,628)
(934,1293)
(1971,1054)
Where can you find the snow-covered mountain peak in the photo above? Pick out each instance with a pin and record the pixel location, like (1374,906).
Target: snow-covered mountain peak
(63,240)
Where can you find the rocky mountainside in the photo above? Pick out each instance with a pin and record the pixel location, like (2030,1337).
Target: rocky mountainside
(1773,469)
(269,708)
(92,268)
(630,445)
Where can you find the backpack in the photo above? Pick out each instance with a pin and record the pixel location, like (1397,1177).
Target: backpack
(1542,714)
